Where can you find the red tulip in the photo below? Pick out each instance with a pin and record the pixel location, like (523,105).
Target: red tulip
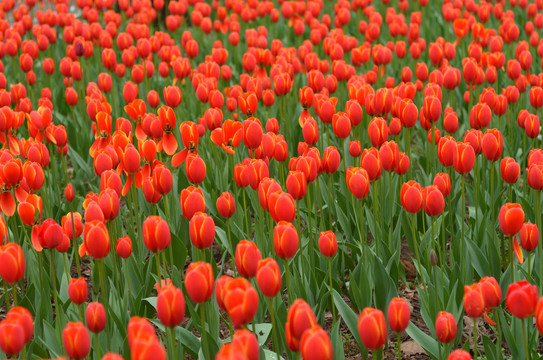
(12,263)
(96,239)
(328,243)
(241,301)
(77,290)
(281,206)
(411,196)
(247,258)
(492,292)
(511,218)
(199,281)
(464,158)
(459,355)
(330,160)
(398,314)
(535,175)
(285,240)
(316,344)
(509,170)
(95,316)
(226,205)
(268,277)
(156,233)
(529,236)
(492,144)
(372,328)
(433,200)
(247,342)
(12,337)
(474,302)
(192,201)
(170,306)
(201,230)
(539,315)
(446,327)
(371,162)
(296,184)
(300,318)
(521,299)
(76,340)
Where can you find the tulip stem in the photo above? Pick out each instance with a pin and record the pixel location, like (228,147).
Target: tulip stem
(173,345)
(203,343)
(127,279)
(80,312)
(462,240)
(475,338)
(102,281)
(498,333)
(287,279)
(301,252)
(511,259)
(329,200)
(375,201)
(540,244)
(245,212)
(415,241)
(6,296)
(229,237)
(54,280)
(14,292)
(528,354)
(274,330)
(74,238)
(97,350)
(158,272)
(398,345)
(331,291)
(66,267)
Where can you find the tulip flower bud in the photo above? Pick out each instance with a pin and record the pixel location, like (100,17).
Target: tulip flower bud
(446,327)
(199,281)
(69,192)
(285,240)
(226,205)
(492,292)
(95,316)
(202,230)
(535,175)
(511,218)
(474,302)
(459,355)
(76,340)
(521,299)
(300,318)
(296,184)
(328,243)
(529,236)
(539,315)
(315,343)
(247,258)
(78,291)
(170,306)
(330,160)
(281,206)
(398,314)
(11,337)
(247,342)
(509,170)
(156,233)
(464,158)
(372,328)
(492,144)
(12,263)
(268,277)
(241,301)
(411,196)
(192,201)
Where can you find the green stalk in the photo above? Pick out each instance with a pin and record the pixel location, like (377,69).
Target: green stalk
(528,354)
(415,240)
(374,202)
(204,343)
(331,290)
(97,350)
(287,279)
(128,279)
(329,200)
(245,213)
(462,240)
(6,296)
(158,272)
(102,281)
(274,330)
(540,244)
(511,263)
(398,346)
(498,334)
(14,293)
(172,343)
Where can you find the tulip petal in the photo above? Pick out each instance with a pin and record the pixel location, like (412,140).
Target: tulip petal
(518,251)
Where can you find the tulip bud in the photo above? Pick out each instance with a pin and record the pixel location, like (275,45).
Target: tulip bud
(459,355)
(492,292)
(78,291)
(300,318)
(241,301)
(446,327)
(202,230)
(509,170)
(464,158)
(12,263)
(521,299)
(328,243)
(170,306)
(411,196)
(247,258)
(95,316)
(76,340)
(372,328)
(315,343)
(285,240)
(192,201)
(474,302)
(268,277)
(69,192)
(529,236)
(511,218)
(156,233)
(226,205)
(11,337)
(199,281)
(539,315)
(398,314)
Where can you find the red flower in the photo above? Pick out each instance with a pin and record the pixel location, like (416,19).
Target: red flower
(511,218)
(398,314)
(268,277)
(521,299)
(170,306)
(372,328)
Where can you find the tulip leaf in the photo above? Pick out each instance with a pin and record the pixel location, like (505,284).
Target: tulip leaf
(351,320)
(430,345)
(337,343)
(270,355)
(262,332)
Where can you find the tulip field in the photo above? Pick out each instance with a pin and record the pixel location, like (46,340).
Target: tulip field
(271,179)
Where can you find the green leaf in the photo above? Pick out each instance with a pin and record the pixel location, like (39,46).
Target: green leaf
(351,320)
(430,345)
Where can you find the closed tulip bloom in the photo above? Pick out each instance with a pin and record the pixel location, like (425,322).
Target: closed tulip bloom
(282,206)
(300,318)
(474,302)
(69,192)
(411,196)
(378,131)
(511,218)
(492,144)
(358,182)
(77,290)
(76,340)
(202,230)
(199,281)
(109,203)
(330,160)
(226,206)
(139,327)
(341,125)
(195,168)
(459,355)
(247,342)
(170,306)
(241,301)
(192,201)
(474,138)
(147,347)
(310,131)
(156,233)
(446,147)
(443,183)
(252,133)
(446,327)
(431,108)
(535,176)
(124,247)
(11,337)
(96,239)
(268,277)
(433,200)
(492,292)
(521,299)
(316,345)
(398,314)
(532,126)
(230,351)
(219,290)
(266,187)
(389,155)
(328,243)
(296,184)
(95,316)
(372,328)
(403,164)
(529,236)
(112,356)
(12,263)
(285,240)
(539,315)
(464,158)
(480,116)
(355,148)
(247,258)
(509,170)
(370,161)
